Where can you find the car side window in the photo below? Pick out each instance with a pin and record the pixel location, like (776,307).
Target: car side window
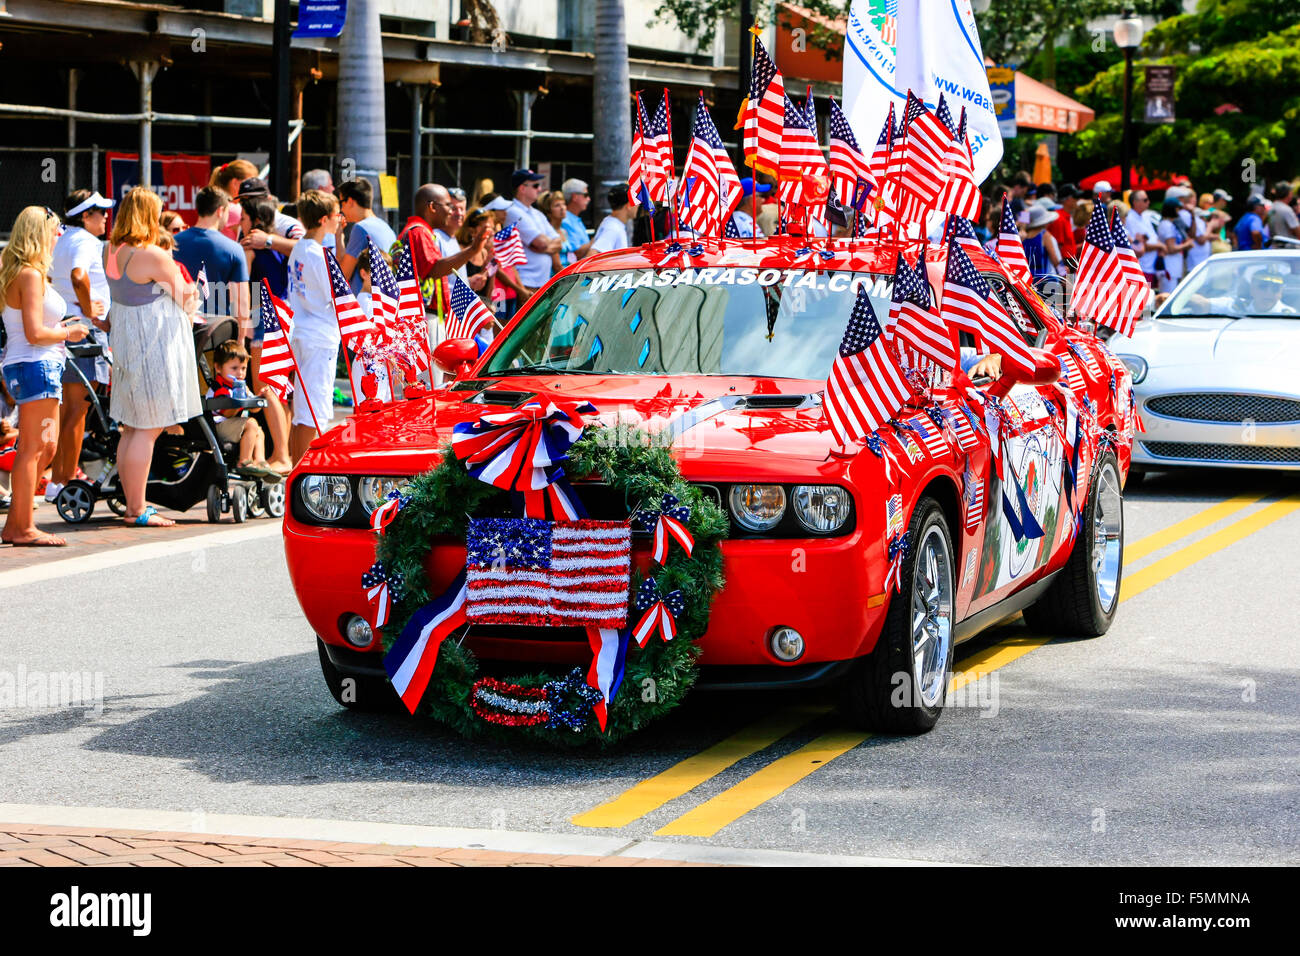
(1026,322)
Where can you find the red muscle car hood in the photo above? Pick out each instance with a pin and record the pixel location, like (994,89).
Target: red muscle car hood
(709,414)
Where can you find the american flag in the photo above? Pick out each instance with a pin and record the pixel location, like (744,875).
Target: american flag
(528,571)
(1011,251)
(926,141)
(866,388)
(889,29)
(201,283)
(968,298)
(410,308)
(717,188)
(1084,355)
(764,113)
(659,151)
(354,325)
(1099,289)
(932,437)
(915,320)
(849,167)
(961,194)
(508,247)
(1071,377)
(1138,292)
(805,177)
(276,366)
(972,497)
(963,233)
(384,293)
(468,314)
(884,146)
(963,425)
(643,167)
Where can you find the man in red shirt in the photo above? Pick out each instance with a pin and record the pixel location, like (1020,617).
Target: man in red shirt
(1062,227)
(433,206)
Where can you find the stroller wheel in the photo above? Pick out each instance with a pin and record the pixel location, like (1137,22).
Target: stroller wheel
(239,503)
(273,499)
(256,509)
(214,504)
(117,505)
(76,502)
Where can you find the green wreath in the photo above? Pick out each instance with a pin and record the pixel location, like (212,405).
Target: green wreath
(656,677)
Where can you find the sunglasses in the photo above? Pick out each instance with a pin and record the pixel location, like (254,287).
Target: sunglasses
(175,229)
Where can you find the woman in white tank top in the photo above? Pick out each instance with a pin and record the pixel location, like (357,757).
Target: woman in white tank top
(33,363)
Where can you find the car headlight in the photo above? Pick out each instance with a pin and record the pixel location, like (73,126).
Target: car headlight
(757,507)
(326,497)
(1136,365)
(821,508)
(373,491)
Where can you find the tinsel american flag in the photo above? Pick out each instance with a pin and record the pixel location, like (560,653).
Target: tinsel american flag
(716,190)
(528,571)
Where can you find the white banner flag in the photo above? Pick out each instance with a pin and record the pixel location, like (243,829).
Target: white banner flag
(891,49)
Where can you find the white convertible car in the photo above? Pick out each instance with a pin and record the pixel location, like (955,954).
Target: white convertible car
(1216,370)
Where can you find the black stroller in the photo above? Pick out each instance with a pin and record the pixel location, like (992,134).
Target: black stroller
(187,468)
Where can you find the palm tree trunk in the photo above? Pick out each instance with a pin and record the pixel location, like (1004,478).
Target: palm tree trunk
(611,93)
(362,148)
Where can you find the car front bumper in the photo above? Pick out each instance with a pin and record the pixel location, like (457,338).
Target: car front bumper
(1170,442)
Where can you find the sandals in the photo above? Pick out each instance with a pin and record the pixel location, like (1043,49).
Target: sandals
(145,519)
(262,471)
(44,540)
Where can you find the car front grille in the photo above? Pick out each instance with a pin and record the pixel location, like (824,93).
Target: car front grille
(606,503)
(1224,407)
(1203,451)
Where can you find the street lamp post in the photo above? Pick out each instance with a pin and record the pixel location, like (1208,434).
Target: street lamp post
(1128,36)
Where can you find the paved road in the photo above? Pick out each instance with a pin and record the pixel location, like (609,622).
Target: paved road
(1173,739)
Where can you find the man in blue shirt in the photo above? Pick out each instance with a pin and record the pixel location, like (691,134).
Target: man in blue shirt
(356,197)
(202,246)
(1251,233)
(576,200)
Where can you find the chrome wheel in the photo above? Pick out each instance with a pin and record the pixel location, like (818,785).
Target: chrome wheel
(931,617)
(1107,536)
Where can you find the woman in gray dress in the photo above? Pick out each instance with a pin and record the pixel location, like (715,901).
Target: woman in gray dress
(155,376)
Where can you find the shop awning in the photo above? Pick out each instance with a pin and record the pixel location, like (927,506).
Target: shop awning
(1038,106)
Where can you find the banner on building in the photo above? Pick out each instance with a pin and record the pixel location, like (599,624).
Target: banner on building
(321,18)
(177,179)
(1160,94)
(890,49)
(1002,88)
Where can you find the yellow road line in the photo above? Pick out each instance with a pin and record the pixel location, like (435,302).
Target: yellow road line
(651,794)
(1157,571)
(769,782)
(1202,519)
(758,788)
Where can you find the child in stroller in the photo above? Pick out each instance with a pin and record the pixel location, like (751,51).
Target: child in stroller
(195,465)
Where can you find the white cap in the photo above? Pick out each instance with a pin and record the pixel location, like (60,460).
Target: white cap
(93,201)
(496,205)
(1103,187)
(571,187)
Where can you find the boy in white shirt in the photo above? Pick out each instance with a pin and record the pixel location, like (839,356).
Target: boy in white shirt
(315,338)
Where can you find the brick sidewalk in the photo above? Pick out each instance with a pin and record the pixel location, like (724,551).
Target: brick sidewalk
(31,845)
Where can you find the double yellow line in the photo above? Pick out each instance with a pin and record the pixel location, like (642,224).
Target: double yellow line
(773,779)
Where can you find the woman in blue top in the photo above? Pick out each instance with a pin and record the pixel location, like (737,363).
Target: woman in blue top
(1040,247)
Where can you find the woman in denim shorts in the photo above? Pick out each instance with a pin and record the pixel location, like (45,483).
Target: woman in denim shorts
(33,363)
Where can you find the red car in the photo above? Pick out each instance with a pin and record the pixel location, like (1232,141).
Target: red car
(731,355)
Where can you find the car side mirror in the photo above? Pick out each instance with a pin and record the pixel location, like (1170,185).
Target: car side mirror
(1046,371)
(455,356)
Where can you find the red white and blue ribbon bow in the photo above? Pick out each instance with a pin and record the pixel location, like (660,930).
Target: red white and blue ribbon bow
(675,254)
(522,451)
(669,519)
(660,609)
(882,451)
(807,253)
(385,513)
(384,586)
(899,545)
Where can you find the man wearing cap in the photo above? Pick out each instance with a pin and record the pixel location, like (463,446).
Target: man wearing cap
(285,232)
(576,199)
(1142,234)
(1221,199)
(77,274)
(1266,287)
(1103,191)
(742,218)
(1251,231)
(540,239)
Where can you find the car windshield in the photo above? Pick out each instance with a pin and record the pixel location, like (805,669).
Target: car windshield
(1240,287)
(713,321)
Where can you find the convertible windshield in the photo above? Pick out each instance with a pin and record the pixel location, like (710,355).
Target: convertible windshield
(1240,287)
(780,323)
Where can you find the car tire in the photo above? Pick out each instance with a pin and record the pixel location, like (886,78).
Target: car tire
(1081,602)
(366,694)
(888,691)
